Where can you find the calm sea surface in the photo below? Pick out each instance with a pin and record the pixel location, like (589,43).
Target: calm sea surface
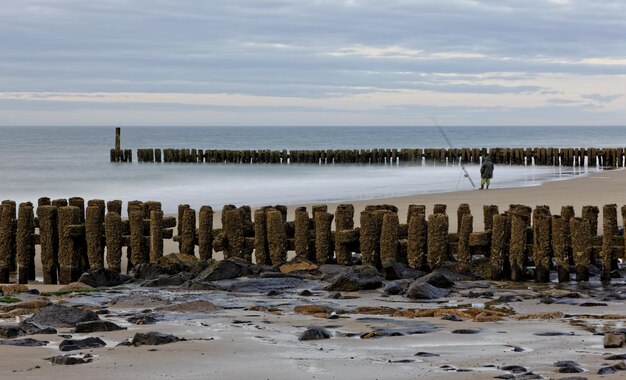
(60,162)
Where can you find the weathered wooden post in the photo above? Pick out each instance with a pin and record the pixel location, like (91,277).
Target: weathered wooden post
(464,255)
(542,247)
(188,236)
(413,210)
(79,203)
(115,206)
(94,232)
(520,220)
(24,240)
(156,235)
(609,229)
(463,209)
(276,237)
(591,214)
(6,234)
(205,233)
(69,246)
(439,209)
(437,240)
(179,226)
(49,242)
(417,241)
(261,246)
(233,232)
(301,232)
(488,213)
(560,246)
(323,242)
(369,239)
(113,233)
(581,247)
(136,237)
(389,237)
(118,139)
(498,256)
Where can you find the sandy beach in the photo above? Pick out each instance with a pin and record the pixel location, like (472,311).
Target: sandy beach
(489,329)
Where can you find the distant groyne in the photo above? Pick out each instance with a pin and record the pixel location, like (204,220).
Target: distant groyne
(604,157)
(74,236)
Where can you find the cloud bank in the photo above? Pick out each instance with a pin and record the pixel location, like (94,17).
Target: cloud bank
(323,62)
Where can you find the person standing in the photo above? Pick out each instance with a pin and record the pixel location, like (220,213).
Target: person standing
(486,173)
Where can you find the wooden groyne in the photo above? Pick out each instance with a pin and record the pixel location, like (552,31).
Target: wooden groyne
(516,244)
(605,157)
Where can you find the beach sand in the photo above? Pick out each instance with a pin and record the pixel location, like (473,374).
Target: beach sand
(235,343)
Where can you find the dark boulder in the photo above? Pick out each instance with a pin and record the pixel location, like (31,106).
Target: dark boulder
(168,280)
(153,339)
(97,326)
(422,290)
(356,278)
(26,342)
(69,360)
(79,344)
(101,278)
(315,333)
(62,316)
(227,269)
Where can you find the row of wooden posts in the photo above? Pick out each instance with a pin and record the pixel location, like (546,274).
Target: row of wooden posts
(606,157)
(73,238)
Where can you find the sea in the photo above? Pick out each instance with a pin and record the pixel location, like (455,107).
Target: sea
(60,162)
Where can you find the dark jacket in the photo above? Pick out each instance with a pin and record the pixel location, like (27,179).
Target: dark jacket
(486,170)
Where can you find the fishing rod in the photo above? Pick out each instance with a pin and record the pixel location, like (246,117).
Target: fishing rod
(445,137)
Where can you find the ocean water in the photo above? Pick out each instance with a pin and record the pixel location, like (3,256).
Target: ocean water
(60,162)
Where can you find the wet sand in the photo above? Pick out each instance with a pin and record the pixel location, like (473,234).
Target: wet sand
(262,343)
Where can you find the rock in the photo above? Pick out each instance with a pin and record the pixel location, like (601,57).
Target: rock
(62,316)
(96,326)
(31,329)
(74,286)
(69,360)
(509,298)
(261,285)
(466,331)
(566,363)
(423,290)
(198,306)
(101,278)
(437,279)
(394,270)
(298,264)
(593,304)
(225,269)
(355,278)
(452,275)
(313,309)
(26,342)
(570,369)
(426,355)
(182,260)
(11,289)
(168,280)
(613,340)
(143,319)
(616,357)
(397,287)
(514,368)
(10,331)
(79,344)
(153,338)
(334,295)
(452,318)
(305,293)
(314,333)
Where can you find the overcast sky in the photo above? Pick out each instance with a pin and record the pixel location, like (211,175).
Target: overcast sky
(313,62)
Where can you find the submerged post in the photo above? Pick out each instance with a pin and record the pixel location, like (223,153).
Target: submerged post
(118,139)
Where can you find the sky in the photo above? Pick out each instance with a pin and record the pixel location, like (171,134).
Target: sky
(313,62)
